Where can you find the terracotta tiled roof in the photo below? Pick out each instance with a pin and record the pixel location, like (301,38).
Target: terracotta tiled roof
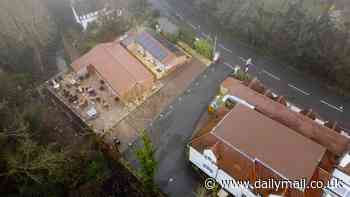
(216,149)
(246,136)
(116,65)
(332,140)
(333,125)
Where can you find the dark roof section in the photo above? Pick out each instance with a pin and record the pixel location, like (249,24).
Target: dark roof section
(152,46)
(167,44)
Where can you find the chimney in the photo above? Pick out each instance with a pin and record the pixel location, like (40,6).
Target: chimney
(309,113)
(281,100)
(333,125)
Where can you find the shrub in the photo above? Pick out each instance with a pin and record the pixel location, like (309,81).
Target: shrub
(145,156)
(173,38)
(204,48)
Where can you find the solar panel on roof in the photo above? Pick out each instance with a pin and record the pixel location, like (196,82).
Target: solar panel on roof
(151,46)
(166,43)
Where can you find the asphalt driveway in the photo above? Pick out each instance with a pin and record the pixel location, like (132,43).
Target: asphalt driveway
(173,128)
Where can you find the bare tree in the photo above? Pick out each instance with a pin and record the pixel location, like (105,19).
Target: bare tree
(26,24)
(31,160)
(313,36)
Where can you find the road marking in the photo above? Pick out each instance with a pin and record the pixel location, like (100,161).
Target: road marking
(333,106)
(271,75)
(299,90)
(194,27)
(229,65)
(226,49)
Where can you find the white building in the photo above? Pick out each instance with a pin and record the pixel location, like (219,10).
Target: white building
(84,20)
(252,145)
(86,12)
(340,176)
(246,145)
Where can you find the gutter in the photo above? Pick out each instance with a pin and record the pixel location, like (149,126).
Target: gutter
(238,100)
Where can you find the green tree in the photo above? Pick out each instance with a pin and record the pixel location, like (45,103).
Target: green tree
(34,160)
(310,34)
(147,161)
(33,169)
(204,48)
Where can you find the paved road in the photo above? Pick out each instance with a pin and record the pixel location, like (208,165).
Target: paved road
(303,90)
(173,129)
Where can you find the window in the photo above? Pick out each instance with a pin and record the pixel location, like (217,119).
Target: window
(208,158)
(207,168)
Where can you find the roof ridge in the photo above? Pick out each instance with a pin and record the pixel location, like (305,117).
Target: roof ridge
(199,137)
(234,147)
(254,159)
(106,48)
(299,115)
(223,140)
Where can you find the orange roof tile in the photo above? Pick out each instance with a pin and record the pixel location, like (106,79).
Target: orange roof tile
(116,65)
(257,137)
(332,140)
